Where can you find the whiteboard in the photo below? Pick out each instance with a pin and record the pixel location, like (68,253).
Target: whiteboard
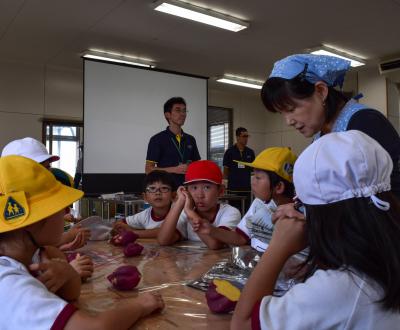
(123,108)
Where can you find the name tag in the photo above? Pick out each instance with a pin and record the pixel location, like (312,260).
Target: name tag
(241,165)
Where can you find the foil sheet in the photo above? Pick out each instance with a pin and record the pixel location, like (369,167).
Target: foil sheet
(238,267)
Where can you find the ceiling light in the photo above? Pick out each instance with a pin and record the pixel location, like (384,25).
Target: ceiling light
(117,58)
(199,14)
(354,60)
(241,81)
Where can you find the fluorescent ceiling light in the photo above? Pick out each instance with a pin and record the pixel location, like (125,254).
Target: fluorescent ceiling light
(199,14)
(116,58)
(240,81)
(354,61)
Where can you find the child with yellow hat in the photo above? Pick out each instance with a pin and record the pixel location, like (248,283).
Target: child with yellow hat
(32,207)
(272,185)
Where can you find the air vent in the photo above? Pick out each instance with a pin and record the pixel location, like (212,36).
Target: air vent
(389,66)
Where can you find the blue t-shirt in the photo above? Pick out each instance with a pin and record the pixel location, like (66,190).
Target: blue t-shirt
(239,175)
(166,151)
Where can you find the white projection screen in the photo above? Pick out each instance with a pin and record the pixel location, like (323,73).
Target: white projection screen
(123,108)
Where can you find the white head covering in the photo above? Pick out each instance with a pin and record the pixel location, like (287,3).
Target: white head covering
(341,166)
(29,148)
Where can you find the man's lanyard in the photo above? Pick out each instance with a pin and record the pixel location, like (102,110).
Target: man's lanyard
(178,148)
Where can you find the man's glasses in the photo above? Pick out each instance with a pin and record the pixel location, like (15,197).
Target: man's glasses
(183,112)
(153,190)
(244,136)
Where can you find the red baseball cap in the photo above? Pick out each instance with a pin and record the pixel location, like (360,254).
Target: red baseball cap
(203,170)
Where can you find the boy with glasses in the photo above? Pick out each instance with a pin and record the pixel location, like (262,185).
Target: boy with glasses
(159,192)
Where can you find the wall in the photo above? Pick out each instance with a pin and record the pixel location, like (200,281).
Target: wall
(29,92)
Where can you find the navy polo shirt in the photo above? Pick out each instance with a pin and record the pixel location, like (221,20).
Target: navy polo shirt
(166,151)
(239,175)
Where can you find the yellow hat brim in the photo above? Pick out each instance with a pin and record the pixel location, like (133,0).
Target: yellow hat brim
(40,208)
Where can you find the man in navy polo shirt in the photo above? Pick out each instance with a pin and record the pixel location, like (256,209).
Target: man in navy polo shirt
(238,175)
(172,150)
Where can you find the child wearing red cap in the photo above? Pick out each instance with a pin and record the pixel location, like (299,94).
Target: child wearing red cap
(197,201)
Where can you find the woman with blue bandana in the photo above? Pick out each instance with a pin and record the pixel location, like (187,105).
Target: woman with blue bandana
(302,88)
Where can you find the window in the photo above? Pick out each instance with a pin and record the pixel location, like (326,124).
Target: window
(63,138)
(219,133)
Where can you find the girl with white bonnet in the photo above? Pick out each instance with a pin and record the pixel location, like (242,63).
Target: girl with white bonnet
(352,227)
(306,90)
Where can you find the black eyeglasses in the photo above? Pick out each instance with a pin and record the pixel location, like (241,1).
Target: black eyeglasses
(153,190)
(245,136)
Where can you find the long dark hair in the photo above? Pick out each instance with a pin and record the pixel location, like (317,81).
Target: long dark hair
(278,94)
(355,235)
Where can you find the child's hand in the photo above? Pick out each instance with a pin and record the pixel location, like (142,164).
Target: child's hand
(83,265)
(289,236)
(201,226)
(54,272)
(286,211)
(181,196)
(150,302)
(120,226)
(80,240)
(189,205)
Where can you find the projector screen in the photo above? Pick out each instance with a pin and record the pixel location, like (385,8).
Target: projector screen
(123,108)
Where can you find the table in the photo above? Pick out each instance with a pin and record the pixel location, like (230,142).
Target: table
(165,269)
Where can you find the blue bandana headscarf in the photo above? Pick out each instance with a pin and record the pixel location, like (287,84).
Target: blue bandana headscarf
(315,68)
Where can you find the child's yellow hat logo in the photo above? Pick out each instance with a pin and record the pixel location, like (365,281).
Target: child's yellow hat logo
(13,209)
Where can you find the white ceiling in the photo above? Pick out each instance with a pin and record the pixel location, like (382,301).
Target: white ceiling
(56,32)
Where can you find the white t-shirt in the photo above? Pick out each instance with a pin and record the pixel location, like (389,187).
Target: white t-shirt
(331,299)
(257,224)
(144,220)
(26,303)
(227,216)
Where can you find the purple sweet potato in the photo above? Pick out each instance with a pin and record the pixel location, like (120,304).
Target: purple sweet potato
(133,249)
(71,256)
(125,278)
(124,238)
(218,302)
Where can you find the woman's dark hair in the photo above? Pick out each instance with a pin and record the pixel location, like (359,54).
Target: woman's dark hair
(275,179)
(357,236)
(278,94)
(159,176)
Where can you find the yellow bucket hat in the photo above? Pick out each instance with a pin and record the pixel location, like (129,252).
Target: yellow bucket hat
(279,160)
(29,193)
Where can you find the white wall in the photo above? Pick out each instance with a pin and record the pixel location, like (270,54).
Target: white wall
(373,87)
(30,92)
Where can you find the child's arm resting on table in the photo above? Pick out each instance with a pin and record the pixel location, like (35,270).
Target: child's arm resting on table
(142,233)
(288,238)
(221,234)
(168,233)
(121,317)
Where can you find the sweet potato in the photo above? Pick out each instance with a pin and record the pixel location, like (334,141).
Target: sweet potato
(125,277)
(124,238)
(133,249)
(222,296)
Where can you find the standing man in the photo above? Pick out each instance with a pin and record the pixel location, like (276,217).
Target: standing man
(238,175)
(172,150)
